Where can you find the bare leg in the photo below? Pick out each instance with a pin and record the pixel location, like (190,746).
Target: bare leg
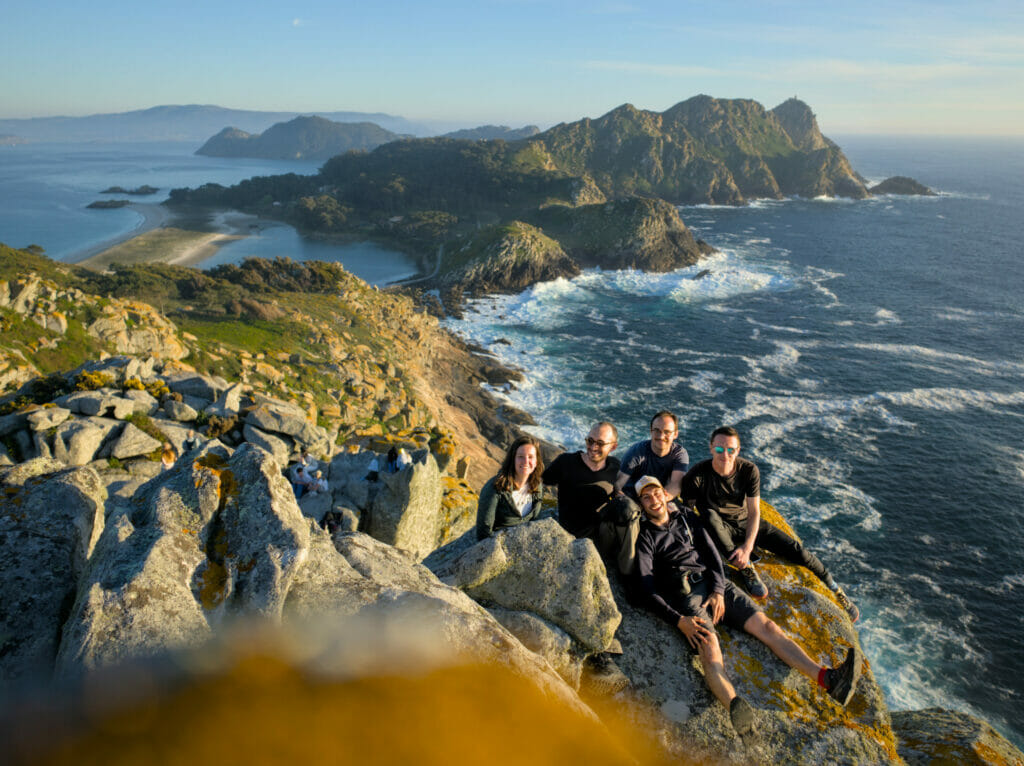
(785,648)
(714,671)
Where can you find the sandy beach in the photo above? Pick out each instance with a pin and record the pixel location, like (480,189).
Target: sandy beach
(167,237)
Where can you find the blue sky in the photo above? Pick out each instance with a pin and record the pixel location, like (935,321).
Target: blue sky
(866,67)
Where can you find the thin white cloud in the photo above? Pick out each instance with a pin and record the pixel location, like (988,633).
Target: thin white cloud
(847,69)
(297,22)
(661,70)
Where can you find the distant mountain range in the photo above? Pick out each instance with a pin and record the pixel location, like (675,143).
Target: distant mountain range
(315,138)
(181,123)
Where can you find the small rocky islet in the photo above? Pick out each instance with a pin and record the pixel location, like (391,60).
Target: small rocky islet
(110,565)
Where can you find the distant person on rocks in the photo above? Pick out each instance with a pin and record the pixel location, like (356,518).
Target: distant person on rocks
(303,481)
(373,472)
(308,462)
(191,441)
(726,490)
(682,576)
(167,457)
(513,495)
(403,459)
(660,456)
(392,464)
(318,484)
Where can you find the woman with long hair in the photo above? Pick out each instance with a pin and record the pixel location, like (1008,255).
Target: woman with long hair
(513,496)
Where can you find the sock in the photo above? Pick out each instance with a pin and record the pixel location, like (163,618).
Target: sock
(821,677)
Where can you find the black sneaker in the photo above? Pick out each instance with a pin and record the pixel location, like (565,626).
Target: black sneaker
(752,582)
(841,681)
(602,675)
(742,717)
(845,603)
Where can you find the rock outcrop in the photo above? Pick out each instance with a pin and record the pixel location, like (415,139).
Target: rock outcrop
(516,569)
(935,735)
(50,522)
(902,185)
(506,258)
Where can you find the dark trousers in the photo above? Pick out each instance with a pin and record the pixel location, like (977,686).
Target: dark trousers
(728,536)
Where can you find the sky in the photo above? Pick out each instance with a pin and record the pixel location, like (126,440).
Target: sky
(868,67)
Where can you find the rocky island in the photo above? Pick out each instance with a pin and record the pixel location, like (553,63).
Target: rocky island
(307,138)
(139,602)
(140,191)
(499,214)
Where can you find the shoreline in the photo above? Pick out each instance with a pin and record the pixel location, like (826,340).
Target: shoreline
(165,235)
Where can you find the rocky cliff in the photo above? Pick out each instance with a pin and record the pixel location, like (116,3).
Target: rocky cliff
(703,150)
(140,604)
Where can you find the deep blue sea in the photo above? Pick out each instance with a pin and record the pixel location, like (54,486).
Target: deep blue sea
(45,188)
(871,353)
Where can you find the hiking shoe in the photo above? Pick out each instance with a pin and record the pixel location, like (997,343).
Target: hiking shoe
(841,681)
(602,675)
(752,582)
(742,717)
(845,603)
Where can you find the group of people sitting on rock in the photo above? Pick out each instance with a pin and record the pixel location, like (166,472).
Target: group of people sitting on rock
(305,476)
(696,523)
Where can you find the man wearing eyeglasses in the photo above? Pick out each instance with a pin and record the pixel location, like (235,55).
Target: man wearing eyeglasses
(585,480)
(726,490)
(660,457)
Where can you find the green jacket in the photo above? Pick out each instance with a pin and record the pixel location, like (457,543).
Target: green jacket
(496,510)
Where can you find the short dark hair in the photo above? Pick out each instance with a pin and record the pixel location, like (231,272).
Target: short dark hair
(665,414)
(506,474)
(602,424)
(724,431)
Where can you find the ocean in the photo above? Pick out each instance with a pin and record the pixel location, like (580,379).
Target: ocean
(868,351)
(45,190)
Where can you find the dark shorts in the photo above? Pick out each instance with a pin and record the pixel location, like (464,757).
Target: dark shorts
(739,607)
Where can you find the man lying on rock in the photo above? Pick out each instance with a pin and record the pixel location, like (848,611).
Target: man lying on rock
(726,490)
(681,573)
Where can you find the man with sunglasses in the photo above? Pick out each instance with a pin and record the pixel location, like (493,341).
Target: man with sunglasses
(660,456)
(682,578)
(726,490)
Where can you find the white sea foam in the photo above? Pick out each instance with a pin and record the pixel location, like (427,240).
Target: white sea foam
(884,316)
(908,352)
(705,382)
(778,328)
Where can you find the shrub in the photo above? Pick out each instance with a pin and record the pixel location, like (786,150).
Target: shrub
(90,381)
(217,425)
(134,384)
(157,389)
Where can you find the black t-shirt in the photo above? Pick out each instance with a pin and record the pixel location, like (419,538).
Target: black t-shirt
(725,494)
(581,492)
(640,461)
